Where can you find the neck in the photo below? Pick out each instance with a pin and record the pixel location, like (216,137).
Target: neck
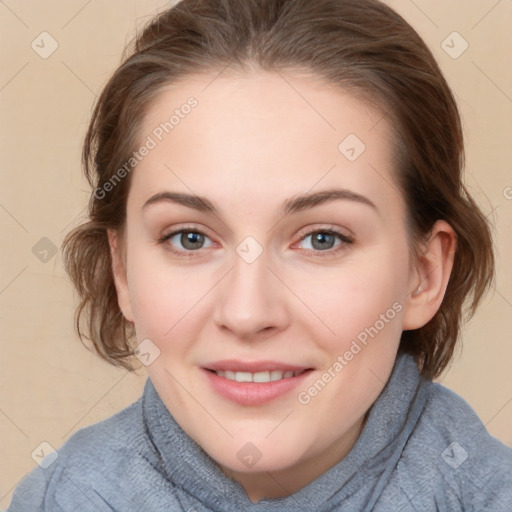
(284,482)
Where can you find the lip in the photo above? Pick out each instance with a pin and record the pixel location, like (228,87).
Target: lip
(253,393)
(253,366)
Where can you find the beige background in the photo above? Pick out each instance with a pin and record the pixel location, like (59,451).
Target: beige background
(50,385)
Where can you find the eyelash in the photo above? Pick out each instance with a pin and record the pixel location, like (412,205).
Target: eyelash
(344,239)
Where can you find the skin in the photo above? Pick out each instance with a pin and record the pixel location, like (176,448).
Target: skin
(251,144)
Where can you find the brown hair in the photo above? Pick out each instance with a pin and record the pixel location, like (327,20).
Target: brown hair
(362,45)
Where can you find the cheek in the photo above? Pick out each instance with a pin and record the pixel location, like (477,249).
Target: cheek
(363,296)
(166,301)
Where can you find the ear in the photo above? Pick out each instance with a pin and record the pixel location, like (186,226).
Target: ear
(430,275)
(119,273)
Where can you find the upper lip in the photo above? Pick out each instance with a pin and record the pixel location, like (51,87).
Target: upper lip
(253,366)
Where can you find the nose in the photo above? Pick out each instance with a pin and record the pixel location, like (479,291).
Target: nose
(251,302)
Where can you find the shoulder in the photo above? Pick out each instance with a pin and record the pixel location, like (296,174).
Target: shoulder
(449,418)
(86,475)
(451,453)
(108,442)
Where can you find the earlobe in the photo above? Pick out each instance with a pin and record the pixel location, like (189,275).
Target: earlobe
(430,276)
(119,274)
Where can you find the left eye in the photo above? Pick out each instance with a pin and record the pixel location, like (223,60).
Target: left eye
(189,240)
(323,240)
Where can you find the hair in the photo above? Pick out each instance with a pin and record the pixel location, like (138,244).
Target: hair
(360,45)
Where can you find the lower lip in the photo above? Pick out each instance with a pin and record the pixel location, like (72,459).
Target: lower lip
(253,393)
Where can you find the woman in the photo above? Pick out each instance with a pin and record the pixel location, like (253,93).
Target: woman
(280,233)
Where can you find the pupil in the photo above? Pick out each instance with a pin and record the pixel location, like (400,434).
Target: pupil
(323,240)
(192,240)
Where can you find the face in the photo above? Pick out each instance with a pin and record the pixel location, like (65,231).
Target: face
(267,261)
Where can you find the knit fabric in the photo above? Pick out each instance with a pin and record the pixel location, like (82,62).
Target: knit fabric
(422,449)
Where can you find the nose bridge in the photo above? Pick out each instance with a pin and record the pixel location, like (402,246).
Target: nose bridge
(251,299)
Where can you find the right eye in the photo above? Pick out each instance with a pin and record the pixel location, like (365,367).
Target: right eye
(186,241)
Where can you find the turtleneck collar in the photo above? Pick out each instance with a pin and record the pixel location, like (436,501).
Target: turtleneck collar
(389,424)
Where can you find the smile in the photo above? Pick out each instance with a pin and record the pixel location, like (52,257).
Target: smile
(254,383)
(266,376)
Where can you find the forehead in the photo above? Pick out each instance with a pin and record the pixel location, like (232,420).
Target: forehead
(248,134)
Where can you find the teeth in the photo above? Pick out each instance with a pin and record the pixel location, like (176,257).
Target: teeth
(267,376)
(243,377)
(261,377)
(276,375)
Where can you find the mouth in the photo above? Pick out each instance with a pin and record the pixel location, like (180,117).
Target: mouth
(254,383)
(266,376)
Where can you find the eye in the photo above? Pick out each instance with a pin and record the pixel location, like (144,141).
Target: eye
(324,240)
(187,240)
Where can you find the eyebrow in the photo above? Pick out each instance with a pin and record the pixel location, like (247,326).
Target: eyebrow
(191,201)
(306,201)
(292,205)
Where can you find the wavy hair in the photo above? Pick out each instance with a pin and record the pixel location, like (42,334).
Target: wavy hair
(361,45)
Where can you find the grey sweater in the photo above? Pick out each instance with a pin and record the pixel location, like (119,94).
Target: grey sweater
(422,449)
